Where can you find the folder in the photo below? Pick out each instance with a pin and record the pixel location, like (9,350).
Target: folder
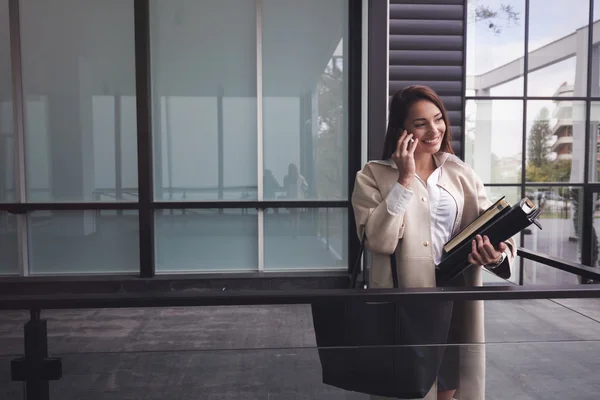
(504,224)
(491,214)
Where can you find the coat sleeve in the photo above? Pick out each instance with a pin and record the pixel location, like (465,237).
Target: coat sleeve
(383,229)
(503,270)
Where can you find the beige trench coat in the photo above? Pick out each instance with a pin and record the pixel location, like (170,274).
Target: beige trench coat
(410,235)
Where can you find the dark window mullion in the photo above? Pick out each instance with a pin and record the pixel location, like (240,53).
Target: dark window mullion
(524,133)
(353,118)
(144,136)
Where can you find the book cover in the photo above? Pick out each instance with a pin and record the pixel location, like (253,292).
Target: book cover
(500,229)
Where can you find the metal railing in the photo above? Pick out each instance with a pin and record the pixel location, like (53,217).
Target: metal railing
(36,369)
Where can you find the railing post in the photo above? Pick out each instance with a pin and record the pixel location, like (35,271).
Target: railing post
(36,368)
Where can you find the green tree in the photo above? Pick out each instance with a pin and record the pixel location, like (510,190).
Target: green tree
(538,149)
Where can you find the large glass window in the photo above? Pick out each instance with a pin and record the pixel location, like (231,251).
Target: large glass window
(558,47)
(555,129)
(7,182)
(305,238)
(9,263)
(83,242)
(204,88)
(304,99)
(207,240)
(78,82)
(495,47)
(247,103)
(550,148)
(493,140)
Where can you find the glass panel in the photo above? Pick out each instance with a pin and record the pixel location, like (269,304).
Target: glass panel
(539,274)
(560,233)
(495,47)
(305,238)
(7,179)
(204,85)
(554,130)
(595,75)
(596,232)
(78,138)
(494,140)
(512,194)
(9,261)
(554,38)
(269,352)
(80,242)
(594,150)
(206,240)
(305,99)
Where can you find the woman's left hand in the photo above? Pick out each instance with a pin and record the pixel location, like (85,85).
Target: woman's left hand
(483,253)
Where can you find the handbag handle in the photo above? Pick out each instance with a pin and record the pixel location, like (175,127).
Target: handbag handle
(354,276)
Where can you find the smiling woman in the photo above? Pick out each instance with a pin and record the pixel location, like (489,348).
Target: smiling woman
(422,180)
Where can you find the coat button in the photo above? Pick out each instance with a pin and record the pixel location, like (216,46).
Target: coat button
(425,243)
(423,199)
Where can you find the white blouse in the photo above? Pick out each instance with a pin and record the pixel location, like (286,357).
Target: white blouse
(442,207)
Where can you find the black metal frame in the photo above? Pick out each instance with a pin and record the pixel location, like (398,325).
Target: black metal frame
(146,204)
(377,80)
(588,188)
(224,297)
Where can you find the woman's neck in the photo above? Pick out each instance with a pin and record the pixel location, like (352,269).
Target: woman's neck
(424,163)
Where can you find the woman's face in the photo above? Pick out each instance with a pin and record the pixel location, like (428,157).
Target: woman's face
(426,123)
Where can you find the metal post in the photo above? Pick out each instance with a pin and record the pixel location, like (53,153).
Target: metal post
(36,368)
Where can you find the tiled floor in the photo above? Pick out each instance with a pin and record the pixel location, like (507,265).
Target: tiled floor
(538,349)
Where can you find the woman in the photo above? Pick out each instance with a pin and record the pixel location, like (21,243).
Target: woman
(411,203)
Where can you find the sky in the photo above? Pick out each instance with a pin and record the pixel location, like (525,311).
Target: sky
(550,20)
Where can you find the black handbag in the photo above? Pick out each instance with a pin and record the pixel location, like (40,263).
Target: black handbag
(388,349)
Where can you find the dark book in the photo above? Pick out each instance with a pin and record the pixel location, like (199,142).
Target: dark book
(468,233)
(501,227)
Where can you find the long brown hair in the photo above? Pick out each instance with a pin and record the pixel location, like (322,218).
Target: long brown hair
(399,108)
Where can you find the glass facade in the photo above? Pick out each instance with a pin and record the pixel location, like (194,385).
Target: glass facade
(248,103)
(80,131)
(7,183)
(531,105)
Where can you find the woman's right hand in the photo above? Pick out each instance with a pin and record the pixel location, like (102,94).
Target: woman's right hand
(404,158)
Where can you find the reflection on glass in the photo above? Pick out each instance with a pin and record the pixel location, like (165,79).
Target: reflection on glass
(495,47)
(7,189)
(596,231)
(560,235)
(305,238)
(83,242)
(512,194)
(305,99)
(594,149)
(493,142)
(557,31)
(595,76)
(555,136)
(204,88)
(80,118)
(9,262)
(206,240)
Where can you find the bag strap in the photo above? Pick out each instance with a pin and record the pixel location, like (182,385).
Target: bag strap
(354,277)
(394,269)
(357,263)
